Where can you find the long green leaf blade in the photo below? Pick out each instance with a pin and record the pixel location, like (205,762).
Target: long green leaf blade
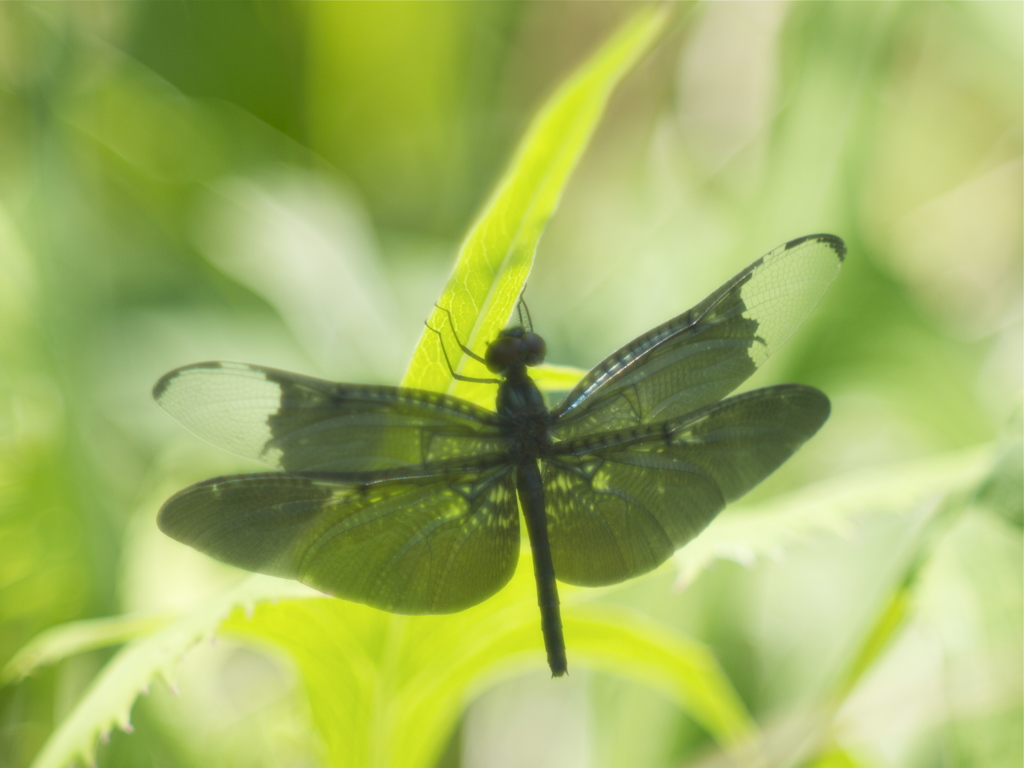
(497,254)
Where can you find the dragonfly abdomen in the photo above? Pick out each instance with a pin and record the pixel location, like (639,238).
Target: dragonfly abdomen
(531,497)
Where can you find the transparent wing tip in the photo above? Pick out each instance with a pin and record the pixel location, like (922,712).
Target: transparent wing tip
(831,241)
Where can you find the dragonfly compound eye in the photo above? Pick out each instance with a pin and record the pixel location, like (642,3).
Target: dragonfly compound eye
(503,353)
(534,348)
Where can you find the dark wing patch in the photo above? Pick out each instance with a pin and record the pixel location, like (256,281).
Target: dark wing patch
(619,504)
(298,423)
(702,355)
(436,543)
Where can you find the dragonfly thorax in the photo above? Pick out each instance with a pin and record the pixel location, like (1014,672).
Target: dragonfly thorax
(514,348)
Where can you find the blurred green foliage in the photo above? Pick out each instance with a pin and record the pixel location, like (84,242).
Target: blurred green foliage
(288,184)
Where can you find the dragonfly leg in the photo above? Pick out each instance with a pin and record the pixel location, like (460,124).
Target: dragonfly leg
(463,347)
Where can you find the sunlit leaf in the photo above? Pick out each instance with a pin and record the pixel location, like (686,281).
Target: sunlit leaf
(387,690)
(746,533)
(497,254)
(108,702)
(66,640)
(628,645)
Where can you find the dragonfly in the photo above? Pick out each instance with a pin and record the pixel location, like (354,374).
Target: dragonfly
(409,500)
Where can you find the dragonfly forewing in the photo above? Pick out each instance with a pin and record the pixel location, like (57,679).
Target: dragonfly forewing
(705,353)
(299,423)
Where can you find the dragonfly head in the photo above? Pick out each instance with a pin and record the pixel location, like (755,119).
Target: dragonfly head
(514,348)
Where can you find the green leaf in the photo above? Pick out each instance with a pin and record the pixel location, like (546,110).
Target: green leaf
(76,637)
(388,690)
(745,533)
(836,757)
(876,640)
(956,478)
(631,645)
(108,701)
(898,604)
(497,254)
(1002,493)
(556,378)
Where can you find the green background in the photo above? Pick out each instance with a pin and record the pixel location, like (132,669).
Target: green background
(289,184)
